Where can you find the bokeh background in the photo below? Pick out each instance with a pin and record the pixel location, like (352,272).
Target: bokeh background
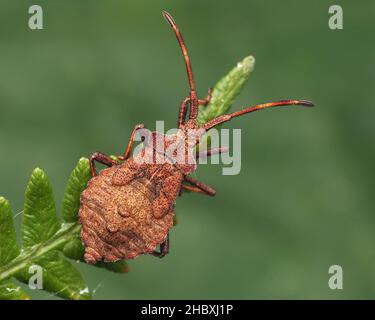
(304,199)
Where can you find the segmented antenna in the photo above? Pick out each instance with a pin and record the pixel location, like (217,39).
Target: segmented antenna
(227,117)
(172,23)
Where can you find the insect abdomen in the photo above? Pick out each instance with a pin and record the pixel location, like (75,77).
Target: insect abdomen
(117,221)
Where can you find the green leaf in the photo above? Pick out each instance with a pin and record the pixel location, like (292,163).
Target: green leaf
(8,238)
(39,228)
(226,90)
(10,291)
(27,255)
(76,184)
(62,278)
(74,249)
(59,277)
(39,222)
(8,251)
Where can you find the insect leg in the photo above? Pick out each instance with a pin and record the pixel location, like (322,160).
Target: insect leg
(211,152)
(164,248)
(228,117)
(184,107)
(182,113)
(101,158)
(131,142)
(191,188)
(207,99)
(198,185)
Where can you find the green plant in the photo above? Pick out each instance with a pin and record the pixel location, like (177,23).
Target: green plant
(48,241)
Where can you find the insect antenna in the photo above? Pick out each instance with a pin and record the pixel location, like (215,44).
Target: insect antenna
(228,117)
(193,95)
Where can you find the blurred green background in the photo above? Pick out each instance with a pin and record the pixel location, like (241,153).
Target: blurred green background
(304,199)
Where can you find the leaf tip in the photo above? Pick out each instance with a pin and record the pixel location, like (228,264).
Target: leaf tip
(38,172)
(247,64)
(3,201)
(83,160)
(38,178)
(4,205)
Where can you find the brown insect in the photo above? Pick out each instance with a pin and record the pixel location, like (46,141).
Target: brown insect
(128,208)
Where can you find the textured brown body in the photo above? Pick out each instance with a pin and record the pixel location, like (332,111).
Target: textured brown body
(121,213)
(127,209)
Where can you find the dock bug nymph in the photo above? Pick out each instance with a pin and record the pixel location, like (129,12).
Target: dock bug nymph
(128,208)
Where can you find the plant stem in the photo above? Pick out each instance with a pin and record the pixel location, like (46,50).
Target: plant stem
(66,233)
